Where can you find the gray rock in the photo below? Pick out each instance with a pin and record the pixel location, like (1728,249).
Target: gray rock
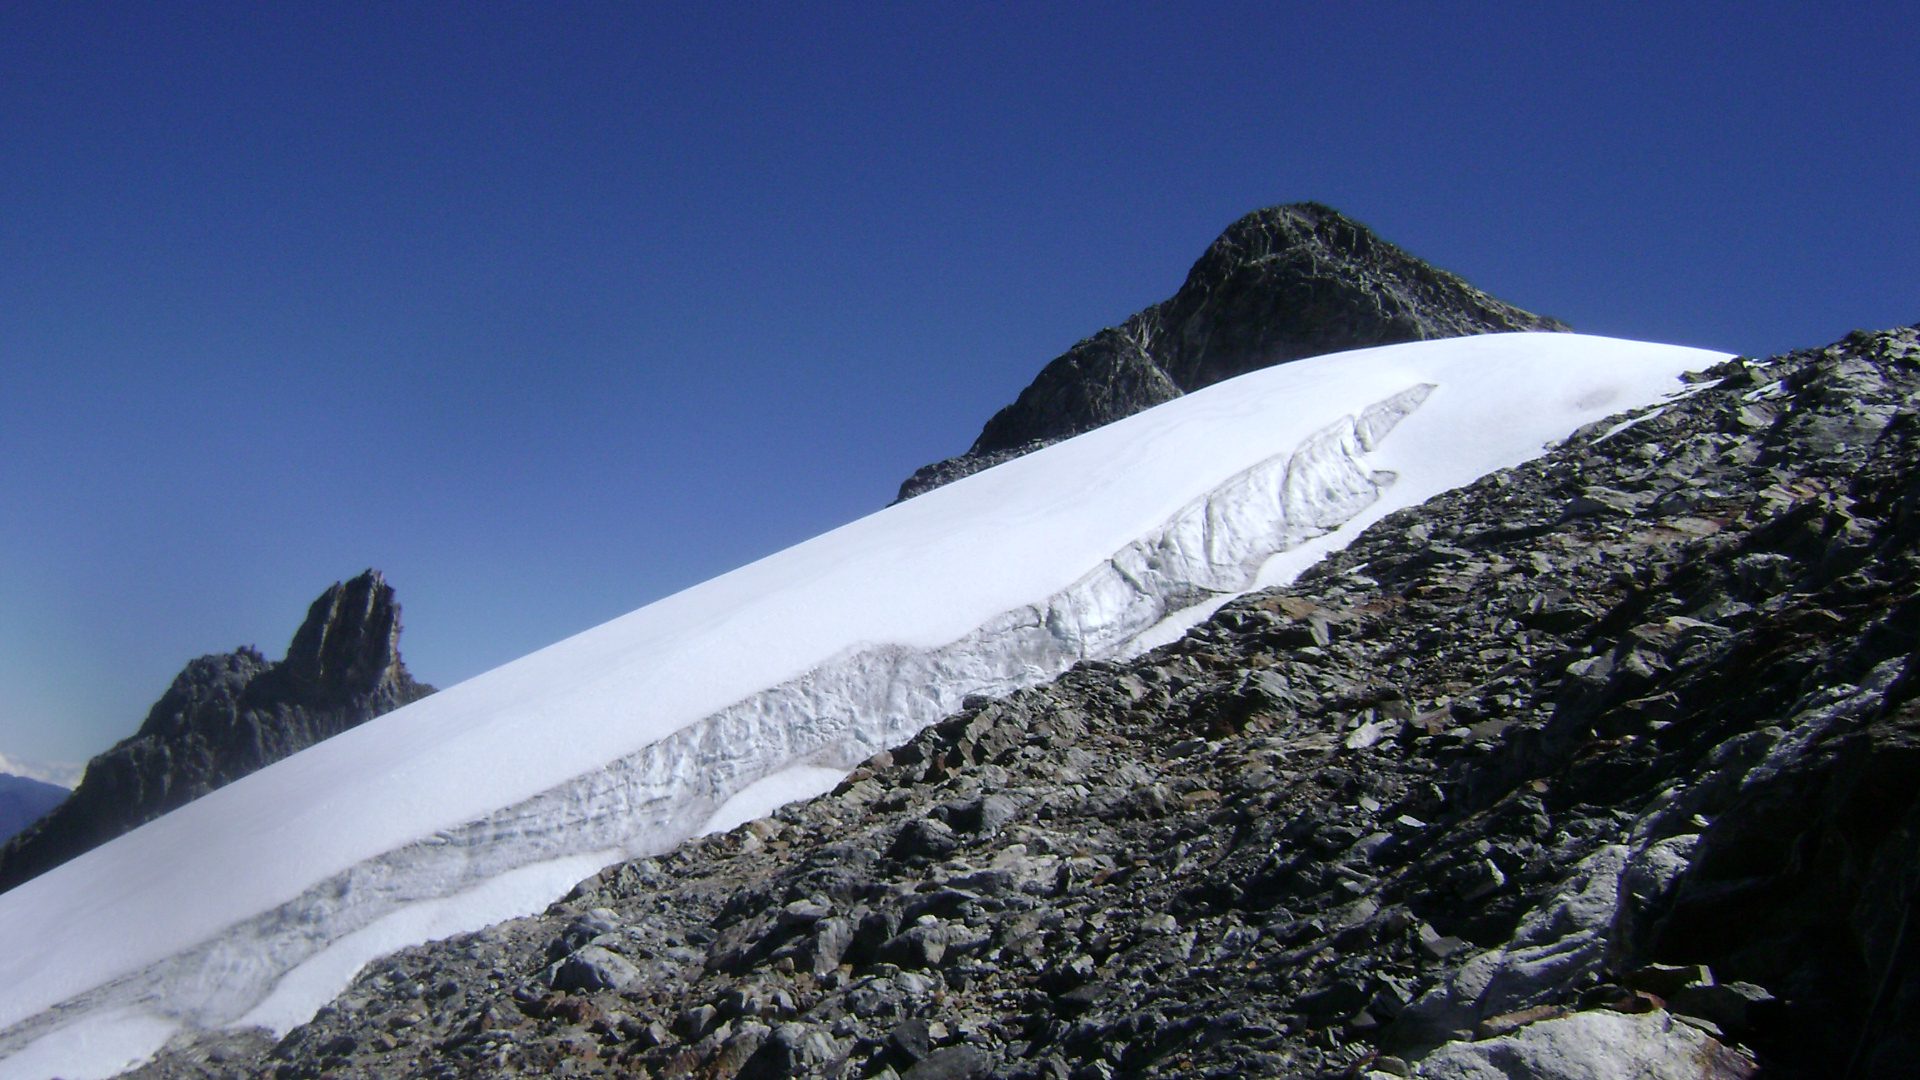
(742,1045)
(923,839)
(594,968)
(1556,946)
(916,947)
(911,1039)
(1731,1006)
(694,1022)
(952,1063)
(982,816)
(803,913)
(790,1050)
(1596,1045)
(831,939)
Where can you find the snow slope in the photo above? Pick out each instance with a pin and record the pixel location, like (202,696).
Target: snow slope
(256,903)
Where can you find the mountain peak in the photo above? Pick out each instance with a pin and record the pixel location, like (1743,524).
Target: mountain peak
(1279,284)
(229,714)
(350,640)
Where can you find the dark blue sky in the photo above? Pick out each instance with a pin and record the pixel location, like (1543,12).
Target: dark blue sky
(550,309)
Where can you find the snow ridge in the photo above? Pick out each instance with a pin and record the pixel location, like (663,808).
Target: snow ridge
(841,712)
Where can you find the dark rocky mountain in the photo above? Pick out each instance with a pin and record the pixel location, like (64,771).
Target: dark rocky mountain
(1604,766)
(227,715)
(24,800)
(1280,284)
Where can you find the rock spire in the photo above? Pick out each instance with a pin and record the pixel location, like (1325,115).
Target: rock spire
(230,714)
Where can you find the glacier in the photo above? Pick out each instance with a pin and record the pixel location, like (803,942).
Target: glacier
(256,904)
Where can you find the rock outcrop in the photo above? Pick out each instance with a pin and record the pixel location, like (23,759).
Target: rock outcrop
(227,715)
(1280,284)
(1605,765)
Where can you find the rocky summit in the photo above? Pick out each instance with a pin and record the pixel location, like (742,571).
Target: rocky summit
(1604,766)
(227,715)
(1280,284)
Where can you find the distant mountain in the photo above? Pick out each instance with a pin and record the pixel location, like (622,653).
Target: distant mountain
(60,774)
(227,715)
(24,800)
(1280,284)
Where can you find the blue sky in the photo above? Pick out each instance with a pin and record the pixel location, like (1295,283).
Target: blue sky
(548,310)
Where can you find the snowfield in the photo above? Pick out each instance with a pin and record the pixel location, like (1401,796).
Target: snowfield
(256,904)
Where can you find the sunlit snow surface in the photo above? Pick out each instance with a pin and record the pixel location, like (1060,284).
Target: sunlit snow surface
(702,710)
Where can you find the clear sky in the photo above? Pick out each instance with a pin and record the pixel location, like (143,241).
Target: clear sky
(548,310)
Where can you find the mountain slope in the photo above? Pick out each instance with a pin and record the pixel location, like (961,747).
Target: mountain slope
(24,800)
(1279,284)
(228,715)
(59,774)
(487,799)
(1605,765)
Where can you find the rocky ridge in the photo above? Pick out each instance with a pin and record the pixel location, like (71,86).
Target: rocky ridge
(1280,284)
(230,714)
(1607,765)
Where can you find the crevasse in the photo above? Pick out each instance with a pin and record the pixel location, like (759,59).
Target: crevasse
(865,699)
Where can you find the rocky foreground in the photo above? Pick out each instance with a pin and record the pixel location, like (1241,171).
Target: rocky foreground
(1607,766)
